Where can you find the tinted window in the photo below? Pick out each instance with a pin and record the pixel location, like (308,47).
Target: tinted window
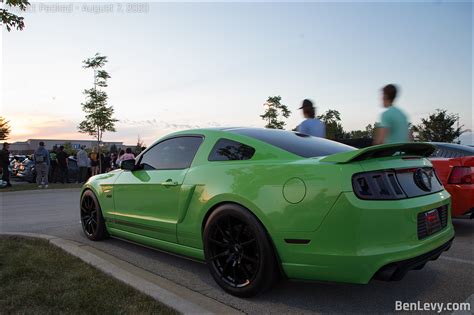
(297,143)
(228,150)
(175,153)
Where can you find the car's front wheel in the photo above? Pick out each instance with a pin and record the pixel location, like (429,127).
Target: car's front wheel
(238,251)
(92,220)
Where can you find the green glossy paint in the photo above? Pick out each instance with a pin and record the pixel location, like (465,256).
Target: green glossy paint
(350,238)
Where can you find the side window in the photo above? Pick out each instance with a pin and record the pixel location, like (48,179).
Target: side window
(175,153)
(229,150)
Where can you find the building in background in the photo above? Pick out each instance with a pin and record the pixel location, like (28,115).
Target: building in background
(30,145)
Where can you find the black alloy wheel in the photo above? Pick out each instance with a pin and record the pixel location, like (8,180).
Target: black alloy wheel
(91,217)
(238,252)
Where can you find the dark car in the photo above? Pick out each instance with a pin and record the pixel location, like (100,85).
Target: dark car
(451,150)
(27,171)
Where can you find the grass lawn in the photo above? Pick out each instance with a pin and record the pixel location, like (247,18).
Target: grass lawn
(39,278)
(29,186)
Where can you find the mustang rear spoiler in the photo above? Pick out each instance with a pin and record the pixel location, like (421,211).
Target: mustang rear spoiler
(383,150)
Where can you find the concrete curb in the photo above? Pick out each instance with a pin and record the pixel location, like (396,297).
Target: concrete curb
(171,294)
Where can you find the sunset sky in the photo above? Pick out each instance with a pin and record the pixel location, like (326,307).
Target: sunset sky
(186,65)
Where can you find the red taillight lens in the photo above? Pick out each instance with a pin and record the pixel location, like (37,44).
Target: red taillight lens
(462,175)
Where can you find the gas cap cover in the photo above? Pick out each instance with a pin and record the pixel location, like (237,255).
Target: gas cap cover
(294,190)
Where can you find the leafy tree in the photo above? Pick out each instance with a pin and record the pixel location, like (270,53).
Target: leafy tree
(367,133)
(99,116)
(440,126)
(139,146)
(273,109)
(331,119)
(4,128)
(69,149)
(11,20)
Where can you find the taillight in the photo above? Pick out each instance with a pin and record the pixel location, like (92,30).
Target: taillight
(461,175)
(378,185)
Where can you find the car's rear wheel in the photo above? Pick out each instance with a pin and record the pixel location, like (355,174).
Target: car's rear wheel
(238,251)
(92,220)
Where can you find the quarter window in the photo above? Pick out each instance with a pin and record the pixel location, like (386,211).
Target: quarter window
(229,150)
(174,153)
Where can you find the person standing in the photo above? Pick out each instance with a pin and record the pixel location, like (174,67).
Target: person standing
(42,163)
(83,164)
(94,162)
(54,164)
(5,163)
(62,156)
(393,127)
(311,125)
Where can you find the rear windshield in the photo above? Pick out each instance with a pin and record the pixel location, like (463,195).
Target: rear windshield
(294,142)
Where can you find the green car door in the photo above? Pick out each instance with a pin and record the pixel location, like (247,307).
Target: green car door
(146,199)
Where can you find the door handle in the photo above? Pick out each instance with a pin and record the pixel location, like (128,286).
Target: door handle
(170,182)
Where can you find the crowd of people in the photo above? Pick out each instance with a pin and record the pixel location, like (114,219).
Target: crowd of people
(53,166)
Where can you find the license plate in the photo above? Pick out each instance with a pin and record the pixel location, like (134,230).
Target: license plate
(432,220)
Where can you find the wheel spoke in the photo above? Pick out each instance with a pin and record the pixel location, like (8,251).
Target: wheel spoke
(218,243)
(244,270)
(249,259)
(224,235)
(239,232)
(223,254)
(248,242)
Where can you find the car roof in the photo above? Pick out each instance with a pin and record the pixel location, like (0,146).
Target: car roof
(454,146)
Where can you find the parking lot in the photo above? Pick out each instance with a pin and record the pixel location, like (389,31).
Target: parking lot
(449,279)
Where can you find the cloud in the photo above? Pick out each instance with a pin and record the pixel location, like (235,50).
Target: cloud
(48,127)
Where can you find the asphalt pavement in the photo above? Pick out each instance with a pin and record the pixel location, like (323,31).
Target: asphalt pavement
(448,279)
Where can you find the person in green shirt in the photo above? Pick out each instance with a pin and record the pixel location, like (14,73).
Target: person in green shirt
(393,127)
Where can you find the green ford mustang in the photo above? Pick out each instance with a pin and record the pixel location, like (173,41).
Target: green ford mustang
(257,204)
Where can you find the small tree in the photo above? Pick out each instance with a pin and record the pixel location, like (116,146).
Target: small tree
(99,117)
(11,20)
(273,110)
(69,149)
(4,128)
(139,146)
(440,126)
(331,119)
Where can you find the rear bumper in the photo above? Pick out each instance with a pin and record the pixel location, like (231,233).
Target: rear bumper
(397,270)
(358,238)
(462,197)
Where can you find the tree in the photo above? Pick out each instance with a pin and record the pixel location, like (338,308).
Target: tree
(69,149)
(139,146)
(440,126)
(273,109)
(99,117)
(367,133)
(11,20)
(4,128)
(331,119)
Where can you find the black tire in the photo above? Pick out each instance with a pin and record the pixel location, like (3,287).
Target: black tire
(238,252)
(92,221)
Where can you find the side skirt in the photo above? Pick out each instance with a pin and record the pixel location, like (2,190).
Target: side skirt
(176,249)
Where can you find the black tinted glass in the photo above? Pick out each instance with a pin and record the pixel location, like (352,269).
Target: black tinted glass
(296,143)
(175,153)
(228,150)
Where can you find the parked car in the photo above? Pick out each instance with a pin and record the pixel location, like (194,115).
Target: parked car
(255,204)
(454,165)
(27,171)
(15,162)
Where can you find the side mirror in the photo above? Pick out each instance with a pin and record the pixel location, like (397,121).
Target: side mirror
(128,165)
